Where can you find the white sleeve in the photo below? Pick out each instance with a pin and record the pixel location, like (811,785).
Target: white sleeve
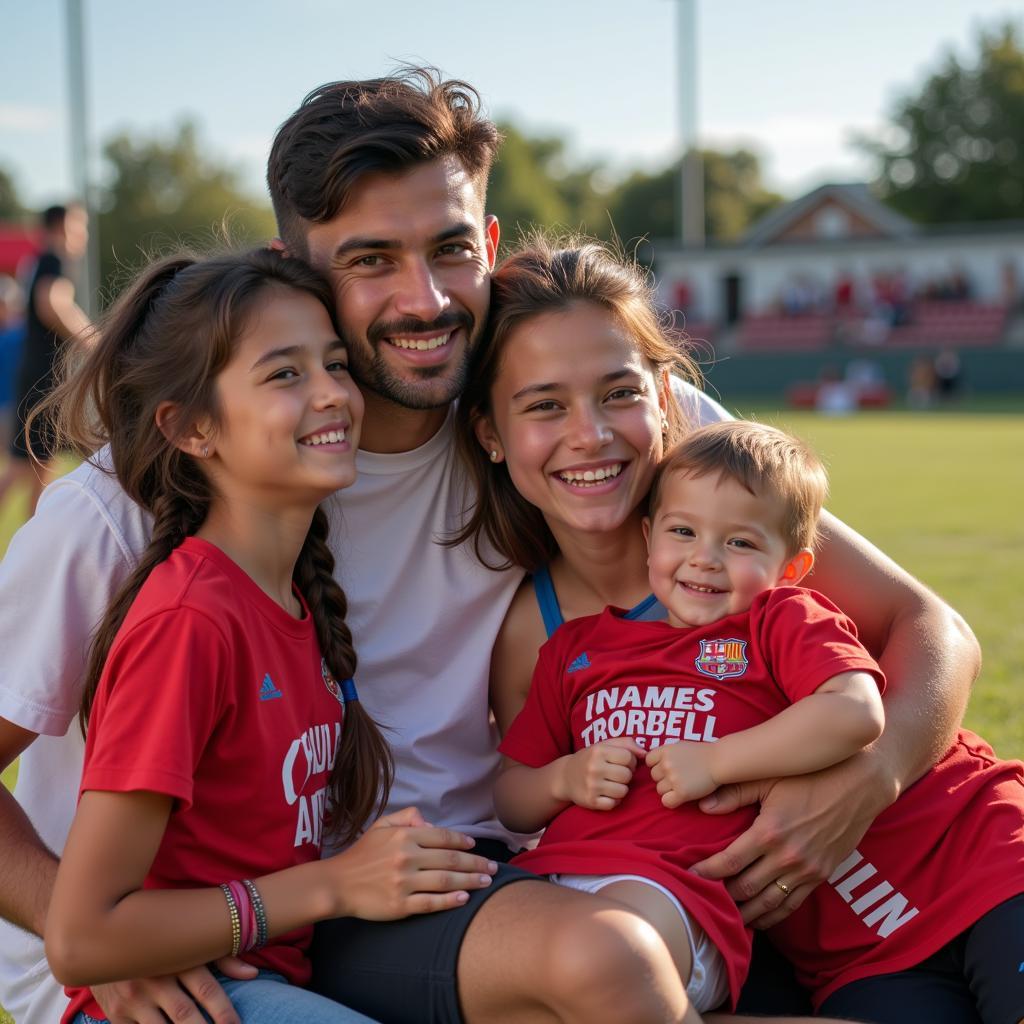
(59,574)
(698,407)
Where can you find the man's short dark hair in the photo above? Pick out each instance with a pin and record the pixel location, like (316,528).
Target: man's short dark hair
(343,131)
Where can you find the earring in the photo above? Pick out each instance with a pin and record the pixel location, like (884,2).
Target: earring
(494,455)
(206,451)
(664,422)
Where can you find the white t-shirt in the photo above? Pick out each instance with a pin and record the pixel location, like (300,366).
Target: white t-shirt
(423,619)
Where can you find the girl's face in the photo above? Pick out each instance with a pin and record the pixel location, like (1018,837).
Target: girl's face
(577,415)
(289,413)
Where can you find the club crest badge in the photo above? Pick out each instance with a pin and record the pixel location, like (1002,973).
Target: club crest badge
(329,681)
(722,659)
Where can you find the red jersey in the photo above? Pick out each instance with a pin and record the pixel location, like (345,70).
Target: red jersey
(945,853)
(604,676)
(214,695)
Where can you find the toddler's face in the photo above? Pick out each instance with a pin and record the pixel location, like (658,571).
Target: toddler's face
(713,547)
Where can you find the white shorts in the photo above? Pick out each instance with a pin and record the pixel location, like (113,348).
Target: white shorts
(708,987)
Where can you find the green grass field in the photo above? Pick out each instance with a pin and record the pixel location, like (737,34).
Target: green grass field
(941,493)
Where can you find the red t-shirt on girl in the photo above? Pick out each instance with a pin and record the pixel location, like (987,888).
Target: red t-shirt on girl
(214,695)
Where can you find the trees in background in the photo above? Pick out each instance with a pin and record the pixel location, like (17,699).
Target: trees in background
(534,183)
(958,154)
(163,191)
(647,205)
(10,205)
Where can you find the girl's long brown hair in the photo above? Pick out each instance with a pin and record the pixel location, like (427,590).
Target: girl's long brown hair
(166,340)
(548,275)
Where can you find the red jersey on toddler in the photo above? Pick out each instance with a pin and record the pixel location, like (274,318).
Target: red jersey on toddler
(604,676)
(944,854)
(214,695)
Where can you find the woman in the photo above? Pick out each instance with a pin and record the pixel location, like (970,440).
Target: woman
(569,410)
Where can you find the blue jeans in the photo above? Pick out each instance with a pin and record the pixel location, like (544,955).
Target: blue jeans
(269,999)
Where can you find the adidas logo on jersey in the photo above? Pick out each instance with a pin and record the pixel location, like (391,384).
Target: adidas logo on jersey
(579,663)
(268,691)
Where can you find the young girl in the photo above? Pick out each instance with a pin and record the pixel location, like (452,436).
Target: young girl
(224,728)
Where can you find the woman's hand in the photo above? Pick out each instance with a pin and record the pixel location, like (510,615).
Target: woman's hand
(401,865)
(598,777)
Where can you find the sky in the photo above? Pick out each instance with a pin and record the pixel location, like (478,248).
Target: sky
(794,80)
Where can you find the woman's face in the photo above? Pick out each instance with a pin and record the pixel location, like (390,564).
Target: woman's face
(577,416)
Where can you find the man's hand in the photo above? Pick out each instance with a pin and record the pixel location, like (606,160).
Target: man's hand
(682,771)
(598,777)
(807,825)
(154,1000)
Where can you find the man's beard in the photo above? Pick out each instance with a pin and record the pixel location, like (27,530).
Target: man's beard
(376,375)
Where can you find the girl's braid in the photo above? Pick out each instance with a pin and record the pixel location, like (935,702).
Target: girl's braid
(363,769)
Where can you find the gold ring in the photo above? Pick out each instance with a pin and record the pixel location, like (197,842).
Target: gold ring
(782,885)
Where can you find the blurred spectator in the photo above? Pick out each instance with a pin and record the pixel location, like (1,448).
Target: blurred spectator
(921,383)
(844,293)
(12,334)
(53,319)
(948,372)
(801,295)
(835,395)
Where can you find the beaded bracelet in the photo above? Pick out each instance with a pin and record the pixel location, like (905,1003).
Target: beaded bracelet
(260,912)
(245,913)
(236,919)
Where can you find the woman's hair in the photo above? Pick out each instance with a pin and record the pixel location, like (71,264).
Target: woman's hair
(167,339)
(765,461)
(549,275)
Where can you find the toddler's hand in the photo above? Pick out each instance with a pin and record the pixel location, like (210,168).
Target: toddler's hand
(682,771)
(598,777)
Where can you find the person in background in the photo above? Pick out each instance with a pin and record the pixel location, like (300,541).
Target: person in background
(12,336)
(53,319)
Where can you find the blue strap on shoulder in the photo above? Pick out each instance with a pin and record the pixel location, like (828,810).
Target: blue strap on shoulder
(348,691)
(547,600)
(650,609)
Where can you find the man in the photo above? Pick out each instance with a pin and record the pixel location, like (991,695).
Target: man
(381,185)
(53,318)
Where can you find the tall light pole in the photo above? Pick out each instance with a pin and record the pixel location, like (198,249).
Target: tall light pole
(691,176)
(78,117)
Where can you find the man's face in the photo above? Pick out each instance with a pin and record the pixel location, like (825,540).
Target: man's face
(410,259)
(75,234)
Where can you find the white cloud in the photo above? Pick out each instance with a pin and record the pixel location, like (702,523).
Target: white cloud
(21,117)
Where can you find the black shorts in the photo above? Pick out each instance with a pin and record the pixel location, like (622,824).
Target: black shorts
(403,972)
(978,978)
(771,986)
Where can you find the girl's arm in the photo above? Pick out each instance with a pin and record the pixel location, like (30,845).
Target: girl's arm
(102,926)
(840,718)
